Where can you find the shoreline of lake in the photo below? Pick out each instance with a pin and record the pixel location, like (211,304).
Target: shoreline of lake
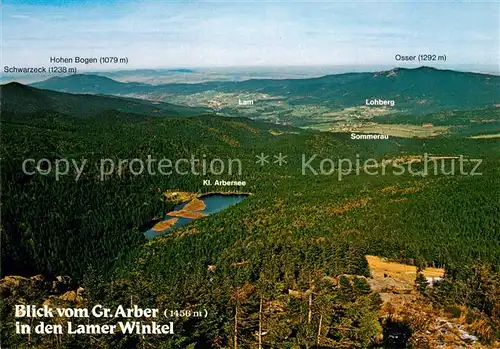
(204,204)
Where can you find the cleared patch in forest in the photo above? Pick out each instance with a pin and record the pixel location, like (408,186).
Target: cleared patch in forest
(394,130)
(343,208)
(396,277)
(177,196)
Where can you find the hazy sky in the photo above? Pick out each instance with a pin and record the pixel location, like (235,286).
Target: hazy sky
(155,34)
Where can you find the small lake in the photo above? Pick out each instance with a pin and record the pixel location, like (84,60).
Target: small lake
(213,202)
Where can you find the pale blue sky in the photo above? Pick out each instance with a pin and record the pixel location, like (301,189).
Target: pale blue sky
(155,34)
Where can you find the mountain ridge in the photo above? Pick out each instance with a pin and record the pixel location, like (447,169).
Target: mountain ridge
(423,89)
(18,98)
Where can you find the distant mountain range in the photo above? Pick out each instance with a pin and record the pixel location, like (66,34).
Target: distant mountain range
(418,90)
(19,99)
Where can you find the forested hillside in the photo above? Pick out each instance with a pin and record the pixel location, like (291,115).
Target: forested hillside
(420,90)
(19,99)
(289,260)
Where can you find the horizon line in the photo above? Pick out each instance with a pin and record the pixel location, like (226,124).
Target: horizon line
(5,80)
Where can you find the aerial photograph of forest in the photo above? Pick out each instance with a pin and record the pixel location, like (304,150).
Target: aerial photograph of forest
(180,174)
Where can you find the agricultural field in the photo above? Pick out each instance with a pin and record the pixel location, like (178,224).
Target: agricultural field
(393,130)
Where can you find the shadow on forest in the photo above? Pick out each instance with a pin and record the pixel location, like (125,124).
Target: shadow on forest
(396,334)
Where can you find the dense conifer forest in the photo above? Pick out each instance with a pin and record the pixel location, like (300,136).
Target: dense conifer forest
(288,261)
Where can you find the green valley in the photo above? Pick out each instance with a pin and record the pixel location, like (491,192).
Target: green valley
(422,97)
